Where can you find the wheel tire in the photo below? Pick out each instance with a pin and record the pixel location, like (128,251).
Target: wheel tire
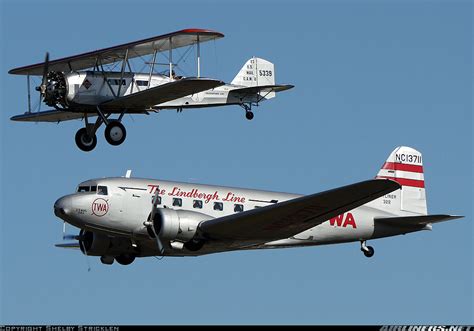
(194,245)
(84,142)
(115,133)
(369,252)
(125,259)
(249,115)
(109,260)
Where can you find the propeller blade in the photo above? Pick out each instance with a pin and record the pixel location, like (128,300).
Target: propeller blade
(71,237)
(45,71)
(161,248)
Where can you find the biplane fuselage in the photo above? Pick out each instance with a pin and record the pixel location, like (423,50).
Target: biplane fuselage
(91,88)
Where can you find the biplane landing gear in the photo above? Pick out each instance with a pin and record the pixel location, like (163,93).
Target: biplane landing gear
(248,111)
(367,250)
(115,133)
(85,141)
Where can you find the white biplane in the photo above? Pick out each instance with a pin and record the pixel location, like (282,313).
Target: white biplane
(90,84)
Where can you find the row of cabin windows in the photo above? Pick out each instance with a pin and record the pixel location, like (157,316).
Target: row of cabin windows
(117,82)
(178,202)
(101,190)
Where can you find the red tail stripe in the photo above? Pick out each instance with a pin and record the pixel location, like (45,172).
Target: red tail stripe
(406,182)
(403,167)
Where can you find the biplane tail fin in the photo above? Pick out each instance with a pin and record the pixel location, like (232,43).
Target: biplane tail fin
(255,72)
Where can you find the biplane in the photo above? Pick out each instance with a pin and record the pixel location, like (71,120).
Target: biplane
(102,83)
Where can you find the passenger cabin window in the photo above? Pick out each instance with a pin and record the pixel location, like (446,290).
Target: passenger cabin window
(238,207)
(102,190)
(115,81)
(142,83)
(83,189)
(218,206)
(177,202)
(197,204)
(158,200)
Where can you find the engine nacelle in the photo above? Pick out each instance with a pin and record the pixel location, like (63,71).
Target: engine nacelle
(179,225)
(92,243)
(97,244)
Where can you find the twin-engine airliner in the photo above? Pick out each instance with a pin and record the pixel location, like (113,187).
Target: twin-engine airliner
(124,218)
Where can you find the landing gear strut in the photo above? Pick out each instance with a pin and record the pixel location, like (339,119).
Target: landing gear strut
(115,132)
(367,250)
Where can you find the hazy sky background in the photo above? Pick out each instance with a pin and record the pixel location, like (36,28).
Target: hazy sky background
(369,76)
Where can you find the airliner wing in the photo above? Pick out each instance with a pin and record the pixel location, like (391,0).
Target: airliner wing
(161,93)
(285,219)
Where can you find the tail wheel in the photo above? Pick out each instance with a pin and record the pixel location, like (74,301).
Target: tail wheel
(115,133)
(249,115)
(84,141)
(369,252)
(125,259)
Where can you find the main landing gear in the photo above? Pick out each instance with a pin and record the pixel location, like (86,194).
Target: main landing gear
(367,250)
(114,133)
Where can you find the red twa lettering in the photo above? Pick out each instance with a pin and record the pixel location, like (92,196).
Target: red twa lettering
(348,220)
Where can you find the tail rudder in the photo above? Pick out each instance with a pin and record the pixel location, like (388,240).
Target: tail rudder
(255,72)
(405,166)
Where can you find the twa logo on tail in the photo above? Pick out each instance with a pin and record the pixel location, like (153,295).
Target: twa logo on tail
(343,220)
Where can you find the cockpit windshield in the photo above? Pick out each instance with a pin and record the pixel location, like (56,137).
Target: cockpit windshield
(100,190)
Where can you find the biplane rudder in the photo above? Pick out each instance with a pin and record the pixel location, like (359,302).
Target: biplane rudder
(255,72)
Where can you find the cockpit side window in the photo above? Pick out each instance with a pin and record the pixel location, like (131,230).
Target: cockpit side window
(93,188)
(102,190)
(82,189)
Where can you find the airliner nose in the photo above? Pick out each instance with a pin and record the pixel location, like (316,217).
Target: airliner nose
(62,206)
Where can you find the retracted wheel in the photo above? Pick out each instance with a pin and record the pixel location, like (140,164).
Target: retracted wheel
(249,115)
(84,141)
(369,251)
(107,259)
(115,133)
(125,259)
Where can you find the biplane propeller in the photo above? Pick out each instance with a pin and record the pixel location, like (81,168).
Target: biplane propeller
(86,85)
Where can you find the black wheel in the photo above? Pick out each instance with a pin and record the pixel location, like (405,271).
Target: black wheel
(107,260)
(125,259)
(115,133)
(194,245)
(84,141)
(249,115)
(369,252)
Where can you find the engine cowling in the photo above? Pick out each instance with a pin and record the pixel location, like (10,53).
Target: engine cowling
(179,225)
(97,244)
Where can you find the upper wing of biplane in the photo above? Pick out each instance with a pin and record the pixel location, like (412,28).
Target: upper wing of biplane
(113,54)
(153,96)
(285,219)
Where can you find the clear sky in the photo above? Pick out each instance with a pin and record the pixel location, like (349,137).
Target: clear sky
(369,76)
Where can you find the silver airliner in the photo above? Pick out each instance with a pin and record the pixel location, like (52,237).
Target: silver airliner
(123,218)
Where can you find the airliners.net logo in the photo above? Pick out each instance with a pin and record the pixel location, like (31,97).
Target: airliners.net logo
(425,328)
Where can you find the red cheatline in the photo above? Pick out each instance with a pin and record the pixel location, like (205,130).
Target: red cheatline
(402,167)
(406,182)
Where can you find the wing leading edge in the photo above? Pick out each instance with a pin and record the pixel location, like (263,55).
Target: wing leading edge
(285,219)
